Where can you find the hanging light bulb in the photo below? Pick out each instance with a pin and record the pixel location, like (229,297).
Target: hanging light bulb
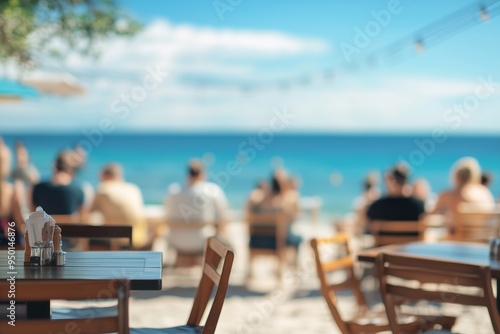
(483,14)
(419,46)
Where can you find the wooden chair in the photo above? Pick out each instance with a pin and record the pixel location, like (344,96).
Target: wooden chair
(84,231)
(215,253)
(361,323)
(269,236)
(475,224)
(446,280)
(66,219)
(36,290)
(396,232)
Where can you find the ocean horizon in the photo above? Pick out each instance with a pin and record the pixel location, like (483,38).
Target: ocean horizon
(329,166)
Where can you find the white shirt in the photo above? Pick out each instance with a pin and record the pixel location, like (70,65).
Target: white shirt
(202,202)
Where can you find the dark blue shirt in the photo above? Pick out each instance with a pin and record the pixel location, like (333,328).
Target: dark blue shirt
(58,199)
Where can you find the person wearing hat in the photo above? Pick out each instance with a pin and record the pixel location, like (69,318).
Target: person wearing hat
(397,204)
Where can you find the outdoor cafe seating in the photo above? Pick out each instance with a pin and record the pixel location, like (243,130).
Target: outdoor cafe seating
(433,281)
(332,256)
(138,270)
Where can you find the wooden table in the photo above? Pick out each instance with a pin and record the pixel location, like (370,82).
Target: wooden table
(142,268)
(463,252)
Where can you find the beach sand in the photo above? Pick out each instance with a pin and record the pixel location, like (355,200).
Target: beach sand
(265,305)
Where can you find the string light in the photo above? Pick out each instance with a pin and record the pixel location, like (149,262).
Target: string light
(419,46)
(483,14)
(428,36)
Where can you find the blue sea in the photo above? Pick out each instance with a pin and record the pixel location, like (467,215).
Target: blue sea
(327,165)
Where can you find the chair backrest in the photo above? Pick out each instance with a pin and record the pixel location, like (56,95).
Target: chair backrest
(84,231)
(328,262)
(476,224)
(269,225)
(44,290)
(388,232)
(447,278)
(215,253)
(66,219)
(188,225)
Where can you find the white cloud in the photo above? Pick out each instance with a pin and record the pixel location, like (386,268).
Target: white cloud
(397,103)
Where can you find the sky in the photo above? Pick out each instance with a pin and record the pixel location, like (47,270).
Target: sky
(231,65)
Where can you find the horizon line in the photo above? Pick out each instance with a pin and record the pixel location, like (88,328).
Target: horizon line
(250,132)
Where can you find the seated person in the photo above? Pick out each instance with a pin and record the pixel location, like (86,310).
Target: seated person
(280,198)
(370,193)
(467,187)
(60,195)
(422,191)
(120,203)
(486,179)
(10,209)
(198,202)
(397,204)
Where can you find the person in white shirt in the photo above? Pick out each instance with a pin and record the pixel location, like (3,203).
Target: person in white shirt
(199,202)
(120,203)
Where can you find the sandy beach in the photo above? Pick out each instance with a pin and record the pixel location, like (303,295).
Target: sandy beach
(265,305)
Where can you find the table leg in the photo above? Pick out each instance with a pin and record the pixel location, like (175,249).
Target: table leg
(38,310)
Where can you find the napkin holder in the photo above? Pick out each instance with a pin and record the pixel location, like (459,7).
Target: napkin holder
(58,256)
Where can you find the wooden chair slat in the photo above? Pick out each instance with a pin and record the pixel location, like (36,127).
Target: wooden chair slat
(435,295)
(432,276)
(346,262)
(452,282)
(388,232)
(86,231)
(211,273)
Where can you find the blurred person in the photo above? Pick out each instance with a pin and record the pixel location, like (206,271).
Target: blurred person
(371,192)
(292,191)
(486,179)
(398,203)
(10,210)
(279,198)
(258,194)
(200,202)
(60,195)
(24,170)
(422,190)
(25,176)
(120,203)
(77,158)
(466,179)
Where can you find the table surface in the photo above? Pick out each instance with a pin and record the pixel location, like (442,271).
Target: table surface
(142,268)
(463,252)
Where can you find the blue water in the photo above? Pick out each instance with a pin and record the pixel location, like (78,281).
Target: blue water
(154,161)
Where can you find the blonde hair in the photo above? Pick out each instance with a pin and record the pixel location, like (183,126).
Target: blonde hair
(466,170)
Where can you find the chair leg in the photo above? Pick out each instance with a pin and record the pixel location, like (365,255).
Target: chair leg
(281,263)
(251,257)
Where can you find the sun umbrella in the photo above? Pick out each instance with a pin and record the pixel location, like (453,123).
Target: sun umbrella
(12,90)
